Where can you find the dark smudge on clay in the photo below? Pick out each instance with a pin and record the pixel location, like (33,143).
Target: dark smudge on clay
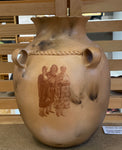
(76,101)
(23,74)
(93,92)
(43,45)
(93,96)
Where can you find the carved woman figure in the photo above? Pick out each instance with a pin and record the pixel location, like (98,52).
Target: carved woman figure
(62,92)
(42,92)
(52,74)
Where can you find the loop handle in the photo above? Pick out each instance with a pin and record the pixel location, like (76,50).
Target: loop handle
(21,61)
(92,56)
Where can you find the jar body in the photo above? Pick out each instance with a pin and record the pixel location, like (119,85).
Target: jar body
(63,97)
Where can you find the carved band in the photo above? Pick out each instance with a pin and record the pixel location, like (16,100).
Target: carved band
(56,52)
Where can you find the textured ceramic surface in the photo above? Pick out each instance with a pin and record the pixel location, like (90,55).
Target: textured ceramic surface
(61,82)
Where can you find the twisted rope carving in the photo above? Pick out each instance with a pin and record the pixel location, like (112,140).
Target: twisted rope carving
(52,52)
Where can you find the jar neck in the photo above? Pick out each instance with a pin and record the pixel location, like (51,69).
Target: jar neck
(74,27)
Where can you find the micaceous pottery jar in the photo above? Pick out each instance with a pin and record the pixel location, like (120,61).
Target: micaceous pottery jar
(61,82)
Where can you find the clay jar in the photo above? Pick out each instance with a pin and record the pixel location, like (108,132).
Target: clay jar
(61,82)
